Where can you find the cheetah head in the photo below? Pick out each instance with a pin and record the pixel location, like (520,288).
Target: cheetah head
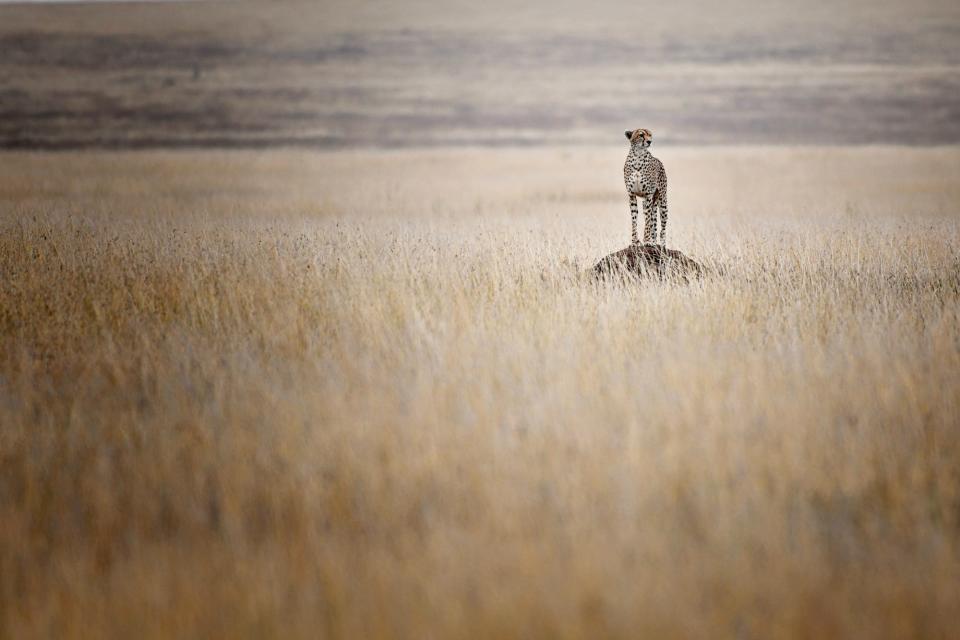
(639,136)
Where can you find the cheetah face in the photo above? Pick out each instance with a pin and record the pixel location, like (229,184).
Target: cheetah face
(639,136)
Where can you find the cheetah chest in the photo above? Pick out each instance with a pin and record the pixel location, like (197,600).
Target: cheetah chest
(643,175)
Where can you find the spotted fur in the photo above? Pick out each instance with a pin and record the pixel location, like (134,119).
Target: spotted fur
(645,177)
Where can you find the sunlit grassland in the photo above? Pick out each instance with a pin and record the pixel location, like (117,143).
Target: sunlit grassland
(372,394)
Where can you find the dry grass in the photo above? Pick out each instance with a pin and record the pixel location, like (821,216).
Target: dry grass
(280,395)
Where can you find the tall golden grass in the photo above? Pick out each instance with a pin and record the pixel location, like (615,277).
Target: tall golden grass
(372,395)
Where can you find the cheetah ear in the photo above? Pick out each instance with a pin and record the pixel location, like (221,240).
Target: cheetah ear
(629,134)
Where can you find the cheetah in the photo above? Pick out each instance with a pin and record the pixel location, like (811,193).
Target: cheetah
(644,176)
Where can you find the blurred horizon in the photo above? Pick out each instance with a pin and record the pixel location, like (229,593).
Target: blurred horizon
(415,73)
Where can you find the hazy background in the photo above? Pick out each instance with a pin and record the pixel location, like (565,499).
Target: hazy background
(345,74)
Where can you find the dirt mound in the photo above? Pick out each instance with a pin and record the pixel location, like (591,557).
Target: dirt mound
(649,260)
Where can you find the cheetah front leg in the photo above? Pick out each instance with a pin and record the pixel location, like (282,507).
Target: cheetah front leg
(633,219)
(663,219)
(650,216)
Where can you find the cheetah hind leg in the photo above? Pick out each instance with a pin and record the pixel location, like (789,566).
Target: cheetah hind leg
(662,204)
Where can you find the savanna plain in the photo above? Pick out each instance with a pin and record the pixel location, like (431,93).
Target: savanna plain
(373,394)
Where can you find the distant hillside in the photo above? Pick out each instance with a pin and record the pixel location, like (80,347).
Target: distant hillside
(402,74)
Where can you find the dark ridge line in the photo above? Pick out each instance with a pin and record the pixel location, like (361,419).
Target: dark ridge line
(164,143)
(160,144)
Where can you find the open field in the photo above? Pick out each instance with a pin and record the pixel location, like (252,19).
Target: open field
(370,394)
